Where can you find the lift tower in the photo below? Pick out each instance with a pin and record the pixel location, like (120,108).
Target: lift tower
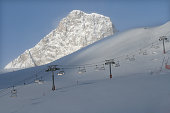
(52,68)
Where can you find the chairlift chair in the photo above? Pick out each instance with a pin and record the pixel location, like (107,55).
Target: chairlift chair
(140,51)
(127,58)
(154,52)
(36,81)
(145,53)
(13,92)
(152,45)
(117,64)
(102,67)
(156,46)
(132,58)
(61,73)
(96,68)
(83,70)
(39,81)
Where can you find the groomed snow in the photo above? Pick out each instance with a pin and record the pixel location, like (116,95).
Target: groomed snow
(139,85)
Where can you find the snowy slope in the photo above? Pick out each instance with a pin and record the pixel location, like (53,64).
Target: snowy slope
(139,85)
(75,31)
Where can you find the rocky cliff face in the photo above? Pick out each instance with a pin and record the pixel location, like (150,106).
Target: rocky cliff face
(74,32)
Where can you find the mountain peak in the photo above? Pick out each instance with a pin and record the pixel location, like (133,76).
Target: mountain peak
(81,13)
(76,12)
(74,32)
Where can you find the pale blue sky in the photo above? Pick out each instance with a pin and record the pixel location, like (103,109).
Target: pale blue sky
(23,23)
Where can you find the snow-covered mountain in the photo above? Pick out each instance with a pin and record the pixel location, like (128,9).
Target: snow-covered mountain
(75,31)
(140,82)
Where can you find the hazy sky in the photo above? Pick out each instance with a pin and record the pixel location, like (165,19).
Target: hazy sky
(23,23)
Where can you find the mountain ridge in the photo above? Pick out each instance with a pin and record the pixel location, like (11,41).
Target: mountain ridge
(75,31)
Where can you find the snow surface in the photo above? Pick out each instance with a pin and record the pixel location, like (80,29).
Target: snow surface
(139,85)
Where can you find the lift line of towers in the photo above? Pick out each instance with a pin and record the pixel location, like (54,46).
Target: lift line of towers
(109,62)
(81,69)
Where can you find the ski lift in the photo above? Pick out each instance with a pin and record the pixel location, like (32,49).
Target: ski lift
(102,67)
(13,92)
(81,70)
(96,68)
(166,65)
(154,52)
(140,51)
(156,46)
(61,73)
(127,58)
(145,53)
(152,45)
(39,81)
(132,58)
(117,64)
